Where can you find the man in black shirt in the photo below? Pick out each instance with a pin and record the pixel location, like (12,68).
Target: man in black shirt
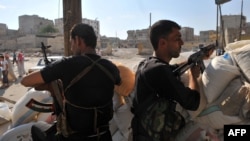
(155,75)
(89,100)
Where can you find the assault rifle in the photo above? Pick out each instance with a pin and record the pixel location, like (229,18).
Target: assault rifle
(195,59)
(55,88)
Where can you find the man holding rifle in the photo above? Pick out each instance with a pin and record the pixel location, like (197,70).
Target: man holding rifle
(155,76)
(88,98)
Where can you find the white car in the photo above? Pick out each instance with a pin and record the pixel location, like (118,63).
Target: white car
(41,63)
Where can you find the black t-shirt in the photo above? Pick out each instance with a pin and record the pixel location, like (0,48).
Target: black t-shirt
(160,77)
(95,89)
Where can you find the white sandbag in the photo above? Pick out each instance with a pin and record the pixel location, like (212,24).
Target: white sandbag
(203,102)
(242,58)
(5,113)
(213,116)
(22,114)
(236,45)
(217,119)
(4,127)
(122,117)
(217,75)
(118,136)
(47,117)
(232,98)
(193,131)
(23,132)
(112,127)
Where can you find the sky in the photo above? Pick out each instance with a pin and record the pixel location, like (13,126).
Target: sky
(118,16)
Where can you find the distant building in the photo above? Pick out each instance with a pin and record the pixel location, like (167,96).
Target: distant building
(3,29)
(233,26)
(207,37)
(59,25)
(247,31)
(140,39)
(95,24)
(187,33)
(32,24)
(131,38)
(234,21)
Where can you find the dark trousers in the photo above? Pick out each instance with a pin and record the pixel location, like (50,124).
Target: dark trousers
(5,77)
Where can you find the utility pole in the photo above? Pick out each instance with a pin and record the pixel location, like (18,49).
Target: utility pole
(72,14)
(241,16)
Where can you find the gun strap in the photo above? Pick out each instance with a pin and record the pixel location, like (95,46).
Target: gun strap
(57,88)
(81,74)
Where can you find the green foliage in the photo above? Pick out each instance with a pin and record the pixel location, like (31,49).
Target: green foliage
(48,29)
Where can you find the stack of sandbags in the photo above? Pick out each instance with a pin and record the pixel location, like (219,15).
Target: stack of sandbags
(121,123)
(5,117)
(214,115)
(241,56)
(194,132)
(236,45)
(23,132)
(5,113)
(226,92)
(22,114)
(217,75)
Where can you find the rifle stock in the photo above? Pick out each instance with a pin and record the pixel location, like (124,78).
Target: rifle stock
(195,59)
(56,90)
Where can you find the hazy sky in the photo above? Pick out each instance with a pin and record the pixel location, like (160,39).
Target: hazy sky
(118,16)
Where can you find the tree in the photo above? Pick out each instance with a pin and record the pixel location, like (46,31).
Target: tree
(48,29)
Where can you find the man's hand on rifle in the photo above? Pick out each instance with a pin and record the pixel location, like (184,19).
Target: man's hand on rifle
(194,71)
(208,54)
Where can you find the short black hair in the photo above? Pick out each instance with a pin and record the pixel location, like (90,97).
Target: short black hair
(161,28)
(85,32)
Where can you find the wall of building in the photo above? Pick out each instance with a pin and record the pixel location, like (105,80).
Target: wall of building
(3,29)
(32,24)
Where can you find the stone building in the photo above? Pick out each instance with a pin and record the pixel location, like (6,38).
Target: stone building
(3,30)
(187,34)
(32,24)
(207,37)
(140,39)
(233,26)
(59,25)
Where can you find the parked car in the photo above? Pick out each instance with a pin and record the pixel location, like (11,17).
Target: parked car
(41,63)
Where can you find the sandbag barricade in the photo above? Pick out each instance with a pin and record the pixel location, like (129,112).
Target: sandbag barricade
(121,122)
(217,75)
(5,113)
(23,132)
(241,56)
(22,114)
